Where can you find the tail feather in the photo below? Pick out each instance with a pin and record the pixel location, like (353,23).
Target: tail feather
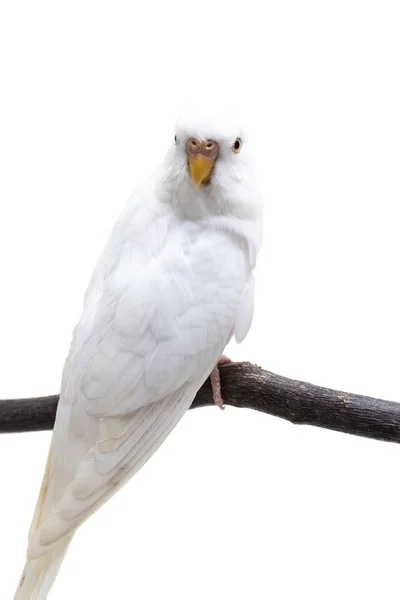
(39,574)
(38,514)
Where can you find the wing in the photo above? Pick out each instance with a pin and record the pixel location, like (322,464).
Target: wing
(152,345)
(123,448)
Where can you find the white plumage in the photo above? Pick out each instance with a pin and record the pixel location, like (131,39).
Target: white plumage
(172,286)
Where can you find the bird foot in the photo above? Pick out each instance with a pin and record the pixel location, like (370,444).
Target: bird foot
(216,381)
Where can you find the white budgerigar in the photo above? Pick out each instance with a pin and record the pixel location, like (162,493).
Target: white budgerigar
(173,285)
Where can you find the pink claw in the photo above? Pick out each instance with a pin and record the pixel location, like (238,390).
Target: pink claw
(216,381)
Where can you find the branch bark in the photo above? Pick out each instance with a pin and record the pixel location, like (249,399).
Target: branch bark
(247,386)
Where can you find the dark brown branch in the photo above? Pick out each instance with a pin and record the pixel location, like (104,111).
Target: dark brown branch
(248,386)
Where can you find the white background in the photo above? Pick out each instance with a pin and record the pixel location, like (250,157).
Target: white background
(235,504)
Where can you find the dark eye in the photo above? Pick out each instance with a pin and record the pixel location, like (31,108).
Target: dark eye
(237,145)
(176,139)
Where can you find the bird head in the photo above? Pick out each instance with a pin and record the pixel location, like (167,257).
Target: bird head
(210,146)
(209,166)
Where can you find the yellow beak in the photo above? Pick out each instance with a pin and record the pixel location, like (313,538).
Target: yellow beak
(200,168)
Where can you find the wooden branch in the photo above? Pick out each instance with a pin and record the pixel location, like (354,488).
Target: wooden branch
(247,386)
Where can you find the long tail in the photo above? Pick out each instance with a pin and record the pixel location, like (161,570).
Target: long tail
(39,574)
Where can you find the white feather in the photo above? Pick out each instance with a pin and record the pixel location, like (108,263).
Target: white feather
(245,311)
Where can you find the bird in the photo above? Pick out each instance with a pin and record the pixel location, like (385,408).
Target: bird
(173,285)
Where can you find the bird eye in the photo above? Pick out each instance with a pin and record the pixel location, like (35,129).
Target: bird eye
(237,145)
(176,139)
